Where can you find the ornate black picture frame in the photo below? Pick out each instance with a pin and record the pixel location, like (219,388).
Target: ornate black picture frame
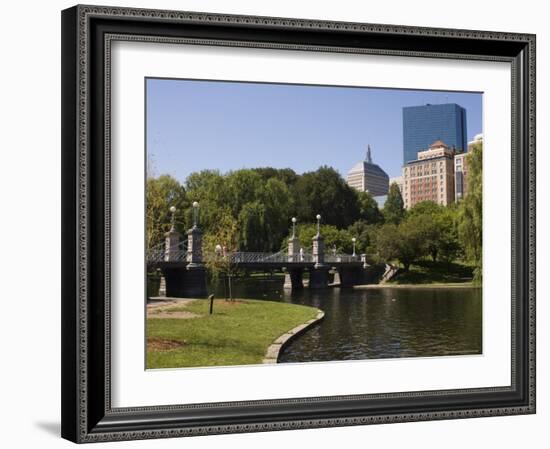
(87,414)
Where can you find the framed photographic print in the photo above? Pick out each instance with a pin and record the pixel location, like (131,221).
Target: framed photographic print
(277,223)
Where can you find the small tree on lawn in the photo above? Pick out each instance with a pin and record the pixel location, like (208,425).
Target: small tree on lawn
(220,247)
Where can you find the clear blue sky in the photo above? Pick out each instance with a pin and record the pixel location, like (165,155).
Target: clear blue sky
(197,125)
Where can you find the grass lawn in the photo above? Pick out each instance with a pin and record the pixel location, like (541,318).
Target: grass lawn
(237,333)
(428,272)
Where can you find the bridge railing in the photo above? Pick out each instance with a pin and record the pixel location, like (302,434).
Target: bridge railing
(304,257)
(281,257)
(342,258)
(258,257)
(157,253)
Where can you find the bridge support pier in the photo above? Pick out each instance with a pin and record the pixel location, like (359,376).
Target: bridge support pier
(185,282)
(195,282)
(174,280)
(351,276)
(293,279)
(318,277)
(336,281)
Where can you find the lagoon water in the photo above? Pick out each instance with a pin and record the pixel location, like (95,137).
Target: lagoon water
(378,323)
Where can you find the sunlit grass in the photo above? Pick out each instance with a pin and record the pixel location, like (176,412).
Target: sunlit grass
(237,333)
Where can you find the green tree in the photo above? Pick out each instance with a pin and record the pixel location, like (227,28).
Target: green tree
(387,241)
(208,188)
(278,205)
(333,237)
(286,175)
(394,207)
(439,227)
(446,221)
(252,224)
(365,233)
(426,217)
(471,210)
(430,208)
(160,194)
(218,247)
(404,242)
(368,209)
(325,192)
(242,186)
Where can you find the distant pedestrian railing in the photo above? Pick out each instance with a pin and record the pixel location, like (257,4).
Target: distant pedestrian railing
(342,258)
(257,257)
(179,254)
(158,253)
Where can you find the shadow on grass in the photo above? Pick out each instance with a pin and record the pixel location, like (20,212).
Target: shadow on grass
(428,272)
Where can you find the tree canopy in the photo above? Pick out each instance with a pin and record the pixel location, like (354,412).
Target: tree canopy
(160,194)
(251,210)
(394,210)
(471,210)
(325,192)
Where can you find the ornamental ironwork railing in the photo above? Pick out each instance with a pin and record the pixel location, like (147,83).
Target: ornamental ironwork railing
(342,258)
(158,253)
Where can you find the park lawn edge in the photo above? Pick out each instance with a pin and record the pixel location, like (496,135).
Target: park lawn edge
(274,350)
(238,333)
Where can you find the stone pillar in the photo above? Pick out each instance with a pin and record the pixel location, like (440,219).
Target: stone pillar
(336,280)
(293,279)
(318,275)
(293,249)
(318,251)
(162,286)
(195,276)
(194,247)
(171,245)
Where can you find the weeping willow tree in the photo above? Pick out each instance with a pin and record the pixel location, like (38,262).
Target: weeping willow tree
(471,211)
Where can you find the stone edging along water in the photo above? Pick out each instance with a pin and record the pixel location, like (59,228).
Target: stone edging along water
(273,351)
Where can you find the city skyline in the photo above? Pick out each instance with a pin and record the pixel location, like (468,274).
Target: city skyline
(195,125)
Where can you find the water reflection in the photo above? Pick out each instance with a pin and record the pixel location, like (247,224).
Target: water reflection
(385,323)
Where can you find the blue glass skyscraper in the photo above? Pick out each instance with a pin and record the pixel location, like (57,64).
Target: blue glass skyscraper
(423,125)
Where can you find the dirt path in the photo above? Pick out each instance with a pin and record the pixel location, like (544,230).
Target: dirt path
(165,309)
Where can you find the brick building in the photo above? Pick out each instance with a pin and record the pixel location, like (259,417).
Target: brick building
(431,177)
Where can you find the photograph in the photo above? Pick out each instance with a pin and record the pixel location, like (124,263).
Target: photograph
(280,222)
(295,223)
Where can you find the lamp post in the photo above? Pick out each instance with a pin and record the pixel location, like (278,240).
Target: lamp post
(293,227)
(195,213)
(318,224)
(173,218)
(353,241)
(219,253)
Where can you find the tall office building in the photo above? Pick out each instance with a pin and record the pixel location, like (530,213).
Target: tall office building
(430,177)
(366,176)
(461,170)
(423,125)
